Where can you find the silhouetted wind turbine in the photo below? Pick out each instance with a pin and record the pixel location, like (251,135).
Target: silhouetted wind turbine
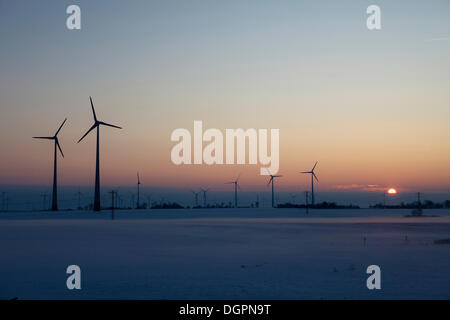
(236,186)
(79,194)
(204,196)
(272,178)
(55,178)
(313,176)
(293,196)
(97,167)
(138,184)
(149,199)
(196,194)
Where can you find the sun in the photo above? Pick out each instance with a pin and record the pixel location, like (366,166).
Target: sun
(392,191)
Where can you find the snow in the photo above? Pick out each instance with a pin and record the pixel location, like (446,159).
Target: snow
(225,254)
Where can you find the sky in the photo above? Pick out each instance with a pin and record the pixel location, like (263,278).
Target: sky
(373,107)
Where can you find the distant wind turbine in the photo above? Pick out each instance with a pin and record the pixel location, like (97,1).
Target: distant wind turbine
(149,199)
(55,178)
(313,176)
(236,186)
(138,184)
(196,194)
(79,194)
(271,180)
(97,125)
(204,196)
(293,196)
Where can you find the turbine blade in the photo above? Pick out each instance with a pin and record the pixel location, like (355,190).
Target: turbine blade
(314,175)
(59,147)
(237,179)
(270,180)
(305,172)
(314,166)
(48,138)
(60,127)
(92,128)
(93,110)
(277,176)
(109,125)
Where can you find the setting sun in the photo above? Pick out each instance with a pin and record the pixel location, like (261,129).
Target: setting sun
(392,191)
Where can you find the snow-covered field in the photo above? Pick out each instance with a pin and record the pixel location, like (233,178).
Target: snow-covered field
(225,254)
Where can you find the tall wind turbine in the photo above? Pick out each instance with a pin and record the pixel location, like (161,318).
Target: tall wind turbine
(97,166)
(55,178)
(138,184)
(313,176)
(271,180)
(236,186)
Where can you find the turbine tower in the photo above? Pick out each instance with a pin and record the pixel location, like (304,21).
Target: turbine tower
(138,184)
(204,191)
(313,176)
(271,180)
(97,125)
(236,186)
(55,177)
(196,194)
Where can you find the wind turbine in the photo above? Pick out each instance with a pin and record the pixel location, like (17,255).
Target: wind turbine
(313,176)
(204,196)
(196,194)
(55,178)
(149,199)
(97,125)
(236,186)
(79,194)
(138,184)
(272,178)
(293,196)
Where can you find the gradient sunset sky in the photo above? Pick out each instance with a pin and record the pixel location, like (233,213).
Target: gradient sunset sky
(373,107)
